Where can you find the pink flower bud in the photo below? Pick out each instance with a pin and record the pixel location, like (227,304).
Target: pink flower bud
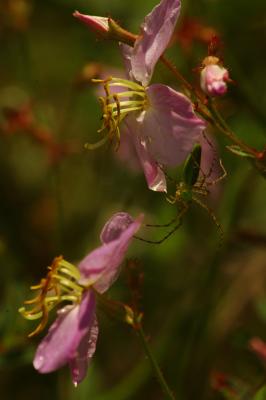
(213,80)
(99,25)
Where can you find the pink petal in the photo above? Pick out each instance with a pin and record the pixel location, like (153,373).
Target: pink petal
(156,32)
(79,364)
(101,267)
(115,226)
(59,346)
(127,55)
(210,168)
(127,152)
(154,175)
(210,165)
(169,126)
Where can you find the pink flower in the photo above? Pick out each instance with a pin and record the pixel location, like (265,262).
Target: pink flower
(159,120)
(213,80)
(72,337)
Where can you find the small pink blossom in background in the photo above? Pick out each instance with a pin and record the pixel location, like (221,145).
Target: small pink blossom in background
(72,337)
(213,80)
(258,346)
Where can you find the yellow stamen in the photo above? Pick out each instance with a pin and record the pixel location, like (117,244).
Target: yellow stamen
(60,285)
(114,110)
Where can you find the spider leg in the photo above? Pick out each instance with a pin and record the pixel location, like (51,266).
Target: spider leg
(171,199)
(203,181)
(213,217)
(200,190)
(162,225)
(164,238)
(179,216)
(221,177)
(166,174)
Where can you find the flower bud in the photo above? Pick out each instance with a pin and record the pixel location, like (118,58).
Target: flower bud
(99,25)
(107,28)
(213,80)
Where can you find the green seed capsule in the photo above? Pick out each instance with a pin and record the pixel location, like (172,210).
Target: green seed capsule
(192,166)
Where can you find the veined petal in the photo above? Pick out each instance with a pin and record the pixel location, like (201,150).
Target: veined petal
(127,152)
(86,349)
(153,173)
(101,267)
(156,31)
(64,336)
(127,55)
(115,226)
(170,127)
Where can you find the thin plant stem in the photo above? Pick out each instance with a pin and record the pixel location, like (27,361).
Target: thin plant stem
(222,125)
(177,74)
(193,91)
(133,318)
(157,371)
(59,206)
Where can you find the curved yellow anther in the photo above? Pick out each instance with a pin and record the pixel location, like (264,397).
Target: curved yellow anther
(114,110)
(59,285)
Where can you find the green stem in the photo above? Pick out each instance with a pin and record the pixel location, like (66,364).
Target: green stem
(157,371)
(258,159)
(177,74)
(60,208)
(225,129)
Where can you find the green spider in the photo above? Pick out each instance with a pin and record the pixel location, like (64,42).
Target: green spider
(188,191)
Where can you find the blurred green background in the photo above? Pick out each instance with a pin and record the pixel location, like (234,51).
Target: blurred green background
(201,303)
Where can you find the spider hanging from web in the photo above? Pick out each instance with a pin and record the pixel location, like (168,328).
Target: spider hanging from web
(194,185)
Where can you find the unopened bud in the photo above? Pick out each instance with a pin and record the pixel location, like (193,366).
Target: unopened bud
(99,25)
(107,28)
(213,80)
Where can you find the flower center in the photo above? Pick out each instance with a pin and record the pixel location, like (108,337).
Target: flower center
(116,106)
(60,285)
